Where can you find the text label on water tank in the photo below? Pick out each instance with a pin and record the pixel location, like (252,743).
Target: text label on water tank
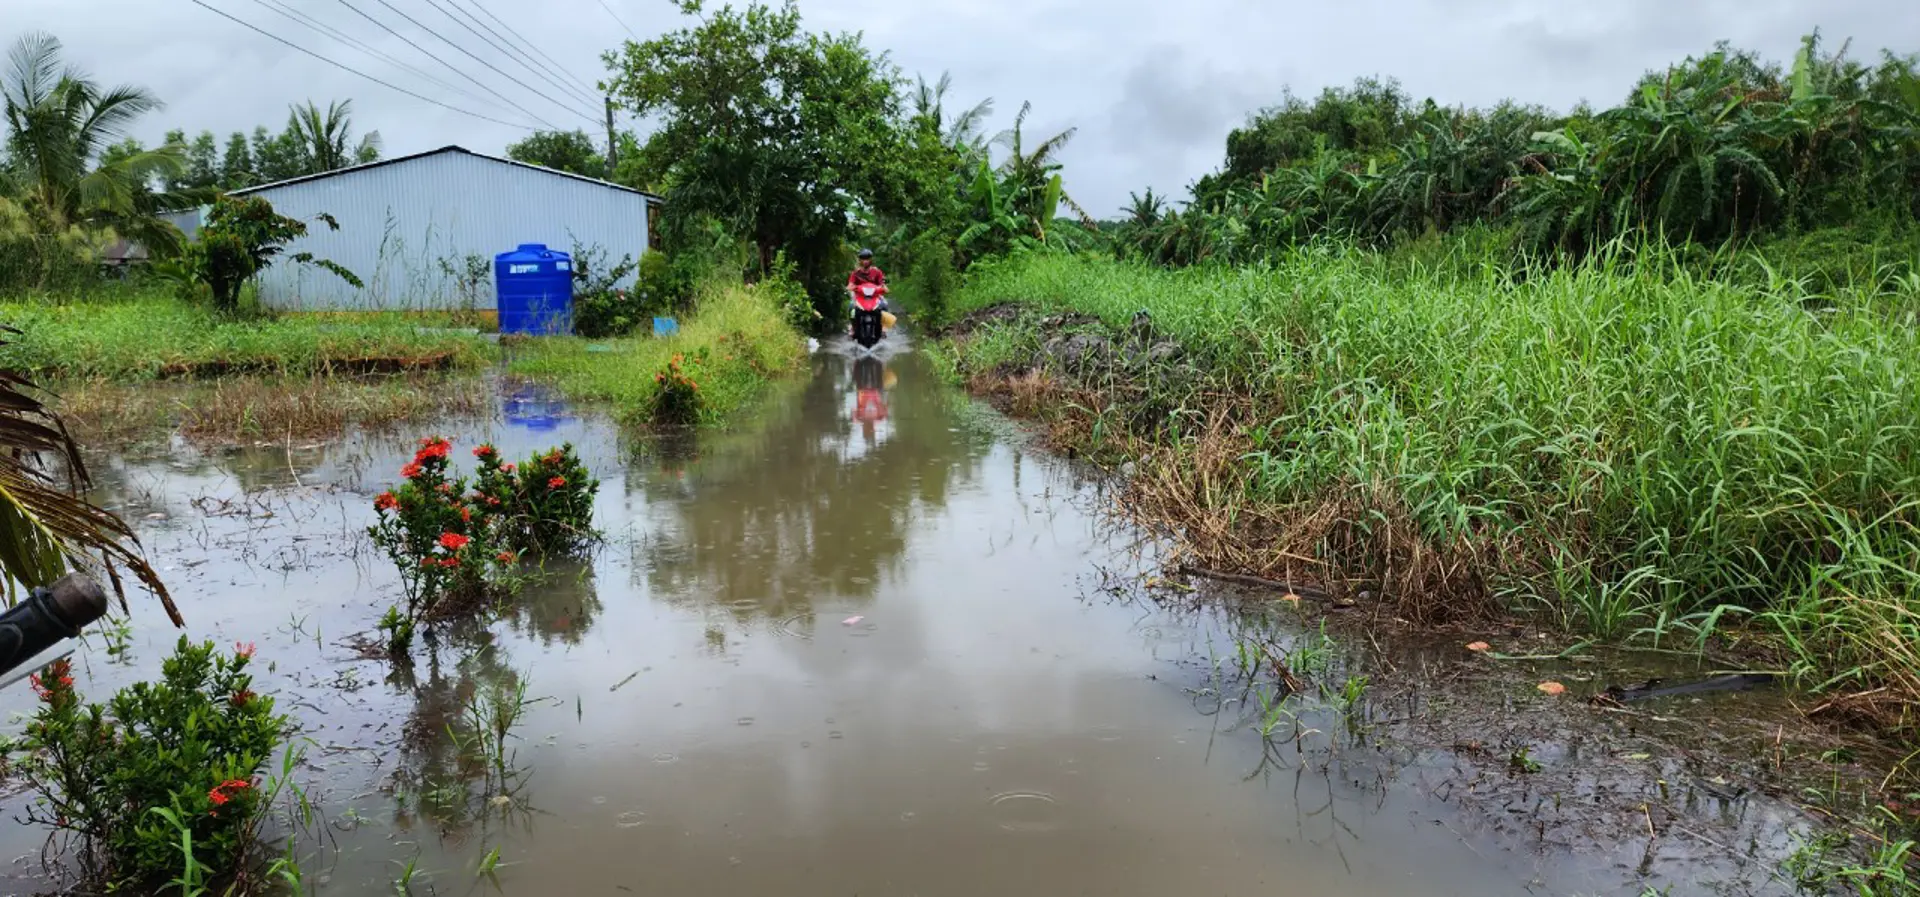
(523,269)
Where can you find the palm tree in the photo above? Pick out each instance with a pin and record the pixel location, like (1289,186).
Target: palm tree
(326,138)
(59,124)
(963,133)
(46,525)
(1030,178)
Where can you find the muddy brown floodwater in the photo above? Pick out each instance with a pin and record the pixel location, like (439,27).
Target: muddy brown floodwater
(856,646)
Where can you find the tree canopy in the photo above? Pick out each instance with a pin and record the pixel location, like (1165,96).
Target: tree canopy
(569,151)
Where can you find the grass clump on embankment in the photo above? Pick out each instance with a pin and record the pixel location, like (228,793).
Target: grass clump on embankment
(736,341)
(1645,455)
(151,335)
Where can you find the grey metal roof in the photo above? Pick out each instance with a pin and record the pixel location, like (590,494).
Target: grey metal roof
(435,152)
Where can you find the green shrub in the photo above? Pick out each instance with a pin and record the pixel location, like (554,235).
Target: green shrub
(544,505)
(34,260)
(782,283)
(663,285)
(678,401)
(161,768)
(243,237)
(932,280)
(456,546)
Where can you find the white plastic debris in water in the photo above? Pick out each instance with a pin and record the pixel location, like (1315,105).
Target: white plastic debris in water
(813,345)
(851,620)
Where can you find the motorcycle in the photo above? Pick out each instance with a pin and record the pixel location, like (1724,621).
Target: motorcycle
(868,327)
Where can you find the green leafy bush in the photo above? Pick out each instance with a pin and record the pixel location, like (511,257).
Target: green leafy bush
(163,777)
(663,285)
(782,283)
(544,505)
(242,237)
(933,279)
(678,401)
(455,546)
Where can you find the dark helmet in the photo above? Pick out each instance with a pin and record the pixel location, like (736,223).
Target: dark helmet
(866,253)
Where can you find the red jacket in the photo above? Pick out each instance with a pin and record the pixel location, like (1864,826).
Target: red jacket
(871,274)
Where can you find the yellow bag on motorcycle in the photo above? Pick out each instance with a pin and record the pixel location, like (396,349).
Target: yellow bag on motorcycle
(887,319)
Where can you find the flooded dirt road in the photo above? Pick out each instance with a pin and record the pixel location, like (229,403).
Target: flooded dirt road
(858,645)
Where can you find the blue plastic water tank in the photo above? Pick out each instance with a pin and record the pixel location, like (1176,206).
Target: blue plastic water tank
(535,290)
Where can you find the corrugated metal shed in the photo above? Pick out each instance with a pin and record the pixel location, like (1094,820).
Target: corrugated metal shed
(421,231)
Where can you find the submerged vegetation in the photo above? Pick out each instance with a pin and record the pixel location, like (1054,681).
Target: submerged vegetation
(1632,450)
(718,362)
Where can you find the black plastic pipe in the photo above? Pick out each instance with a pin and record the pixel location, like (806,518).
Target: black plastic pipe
(49,615)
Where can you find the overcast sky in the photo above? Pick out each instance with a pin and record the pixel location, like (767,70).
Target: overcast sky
(1152,85)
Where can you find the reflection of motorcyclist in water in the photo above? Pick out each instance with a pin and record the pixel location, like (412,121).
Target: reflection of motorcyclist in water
(870,397)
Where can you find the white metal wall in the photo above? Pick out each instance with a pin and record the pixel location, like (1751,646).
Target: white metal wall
(407,228)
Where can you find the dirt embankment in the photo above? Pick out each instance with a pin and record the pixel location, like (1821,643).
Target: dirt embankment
(1189,439)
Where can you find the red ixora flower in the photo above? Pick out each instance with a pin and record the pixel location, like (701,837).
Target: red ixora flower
(466,515)
(453,541)
(506,557)
(483,451)
(386,501)
(226,791)
(410,471)
(556,482)
(241,697)
(433,448)
(244,649)
(506,468)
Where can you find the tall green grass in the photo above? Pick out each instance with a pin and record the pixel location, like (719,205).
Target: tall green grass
(745,338)
(1640,451)
(147,334)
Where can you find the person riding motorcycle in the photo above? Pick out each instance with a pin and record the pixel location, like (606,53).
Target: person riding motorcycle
(866,274)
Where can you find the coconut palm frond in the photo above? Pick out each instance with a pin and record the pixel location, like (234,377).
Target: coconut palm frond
(47,526)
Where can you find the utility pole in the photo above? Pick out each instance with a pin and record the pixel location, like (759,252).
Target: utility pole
(613,147)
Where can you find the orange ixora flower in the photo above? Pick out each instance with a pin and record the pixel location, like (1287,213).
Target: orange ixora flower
(433,448)
(411,470)
(453,541)
(483,451)
(506,557)
(556,482)
(226,791)
(386,501)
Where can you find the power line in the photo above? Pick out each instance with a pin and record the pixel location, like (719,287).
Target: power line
(526,43)
(348,68)
(364,47)
(616,17)
(513,52)
(450,66)
(495,68)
